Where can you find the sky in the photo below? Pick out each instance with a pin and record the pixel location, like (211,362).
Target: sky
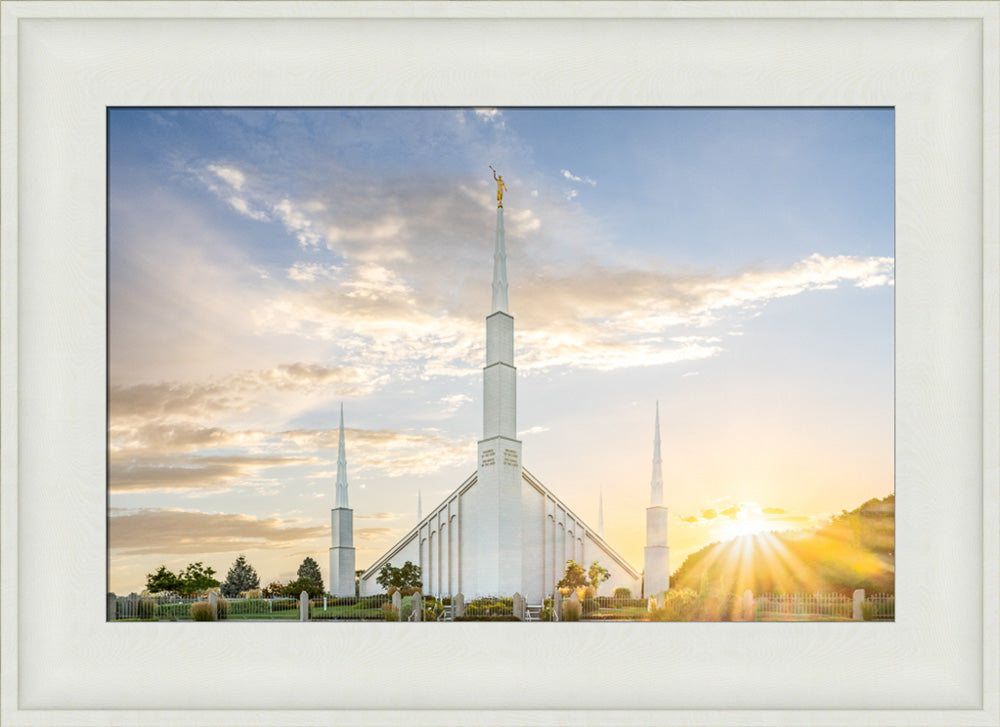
(268,265)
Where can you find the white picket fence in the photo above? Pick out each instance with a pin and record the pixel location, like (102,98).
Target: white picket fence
(748,607)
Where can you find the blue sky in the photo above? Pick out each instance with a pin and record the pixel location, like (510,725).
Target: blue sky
(265,265)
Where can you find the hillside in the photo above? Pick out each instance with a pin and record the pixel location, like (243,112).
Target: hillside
(855,549)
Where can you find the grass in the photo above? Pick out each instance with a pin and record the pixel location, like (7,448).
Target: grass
(778,616)
(627,613)
(345,612)
(291,614)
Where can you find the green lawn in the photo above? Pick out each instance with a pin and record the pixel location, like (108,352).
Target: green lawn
(289,614)
(778,616)
(345,612)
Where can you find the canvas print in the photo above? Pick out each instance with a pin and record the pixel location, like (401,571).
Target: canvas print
(500,364)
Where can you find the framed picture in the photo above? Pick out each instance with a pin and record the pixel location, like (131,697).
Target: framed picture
(66,65)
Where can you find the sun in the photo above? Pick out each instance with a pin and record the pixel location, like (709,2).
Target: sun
(746,522)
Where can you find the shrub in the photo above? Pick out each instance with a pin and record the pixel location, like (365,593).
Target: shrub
(249,606)
(409,590)
(390,612)
(571,611)
(678,605)
(622,592)
(253,593)
(202,611)
(432,609)
(390,590)
(406,608)
(146,608)
(587,592)
(222,608)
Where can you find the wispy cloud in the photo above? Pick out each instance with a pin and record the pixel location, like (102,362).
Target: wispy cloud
(390,453)
(189,474)
(175,399)
(533,430)
(488,114)
(170,531)
(573,178)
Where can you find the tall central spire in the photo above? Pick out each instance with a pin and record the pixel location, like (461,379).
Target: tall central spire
(497,540)
(499,268)
(341,465)
(656,484)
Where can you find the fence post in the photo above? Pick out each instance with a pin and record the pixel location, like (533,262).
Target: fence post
(112,607)
(303,606)
(556,605)
(418,607)
(458,603)
(213,601)
(518,607)
(748,605)
(859,598)
(397,604)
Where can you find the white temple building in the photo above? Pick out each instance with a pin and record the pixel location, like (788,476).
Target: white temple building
(502,531)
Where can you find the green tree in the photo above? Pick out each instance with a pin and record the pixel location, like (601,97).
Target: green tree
(241,577)
(406,577)
(273,589)
(197,577)
(574,577)
(310,569)
(597,574)
(293,589)
(163,580)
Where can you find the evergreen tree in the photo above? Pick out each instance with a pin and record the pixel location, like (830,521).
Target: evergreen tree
(241,577)
(310,569)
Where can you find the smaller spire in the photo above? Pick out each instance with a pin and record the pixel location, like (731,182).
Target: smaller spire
(341,500)
(600,514)
(656,484)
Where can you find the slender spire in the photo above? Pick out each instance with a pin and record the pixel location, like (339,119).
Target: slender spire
(600,514)
(341,465)
(499,268)
(420,508)
(656,485)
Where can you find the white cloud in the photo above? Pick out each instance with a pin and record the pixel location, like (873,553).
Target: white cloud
(230,175)
(309,272)
(573,178)
(533,430)
(488,114)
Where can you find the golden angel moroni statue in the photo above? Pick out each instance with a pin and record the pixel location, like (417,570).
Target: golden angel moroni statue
(500,186)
